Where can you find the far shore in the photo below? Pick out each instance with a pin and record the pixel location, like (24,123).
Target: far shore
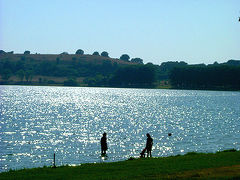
(169,87)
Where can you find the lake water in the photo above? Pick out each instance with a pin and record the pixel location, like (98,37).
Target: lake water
(36,122)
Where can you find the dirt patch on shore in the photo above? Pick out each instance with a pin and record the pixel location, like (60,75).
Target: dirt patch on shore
(220,172)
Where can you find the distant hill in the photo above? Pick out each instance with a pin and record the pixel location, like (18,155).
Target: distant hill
(63,69)
(64,57)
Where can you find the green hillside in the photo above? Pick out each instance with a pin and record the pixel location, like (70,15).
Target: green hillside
(63,69)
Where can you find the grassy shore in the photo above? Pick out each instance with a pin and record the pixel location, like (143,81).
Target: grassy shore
(192,165)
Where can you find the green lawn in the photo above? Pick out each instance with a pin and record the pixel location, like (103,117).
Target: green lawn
(186,166)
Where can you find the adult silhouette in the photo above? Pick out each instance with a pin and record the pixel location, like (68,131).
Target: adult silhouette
(149,145)
(104,144)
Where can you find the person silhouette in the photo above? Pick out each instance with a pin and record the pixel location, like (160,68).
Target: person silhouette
(149,145)
(104,144)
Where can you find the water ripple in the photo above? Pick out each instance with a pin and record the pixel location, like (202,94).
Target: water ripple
(36,122)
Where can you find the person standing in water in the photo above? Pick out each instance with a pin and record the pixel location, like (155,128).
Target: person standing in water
(104,144)
(149,145)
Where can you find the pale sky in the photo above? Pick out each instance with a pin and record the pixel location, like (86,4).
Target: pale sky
(194,31)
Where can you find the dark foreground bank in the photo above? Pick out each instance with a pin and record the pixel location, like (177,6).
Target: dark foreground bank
(224,164)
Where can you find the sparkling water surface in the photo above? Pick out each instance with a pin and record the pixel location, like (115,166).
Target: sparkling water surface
(36,122)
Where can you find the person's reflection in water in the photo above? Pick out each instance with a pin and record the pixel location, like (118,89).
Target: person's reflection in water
(149,145)
(104,144)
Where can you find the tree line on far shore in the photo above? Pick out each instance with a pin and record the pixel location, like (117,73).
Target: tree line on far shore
(224,76)
(214,77)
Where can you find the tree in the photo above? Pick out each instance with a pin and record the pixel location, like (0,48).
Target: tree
(70,82)
(79,51)
(9,65)
(29,75)
(170,65)
(23,58)
(125,57)
(74,58)
(57,60)
(233,62)
(104,54)
(137,60)
(26,52)
(20,74)
(208,77)
(134,76)
(6,74)
(2,52)
(40,80)
(19,65)
(96,53)
(64,53)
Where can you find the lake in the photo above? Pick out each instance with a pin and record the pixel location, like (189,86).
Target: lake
(36,122)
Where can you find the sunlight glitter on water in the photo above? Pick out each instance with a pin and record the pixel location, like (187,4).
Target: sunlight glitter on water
(68,121)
